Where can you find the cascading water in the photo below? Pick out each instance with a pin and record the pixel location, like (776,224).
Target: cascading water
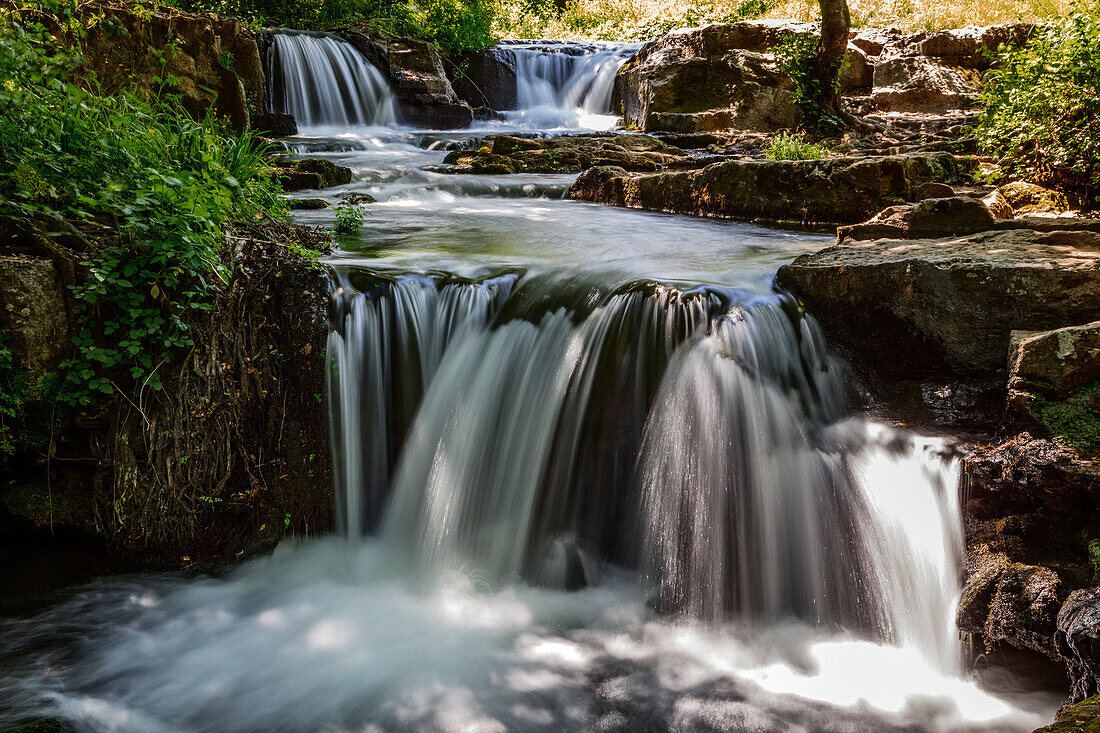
(325,83)
(565,85)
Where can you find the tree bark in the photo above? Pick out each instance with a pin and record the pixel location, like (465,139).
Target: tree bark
(835,24)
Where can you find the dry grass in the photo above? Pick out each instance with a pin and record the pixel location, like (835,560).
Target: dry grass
(634,20)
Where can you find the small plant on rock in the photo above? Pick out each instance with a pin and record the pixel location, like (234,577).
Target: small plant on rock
(349,219)
(794,147)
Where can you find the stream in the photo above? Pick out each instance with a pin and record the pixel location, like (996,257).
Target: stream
(593,473)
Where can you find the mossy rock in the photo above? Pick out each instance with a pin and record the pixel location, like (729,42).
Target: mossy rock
(1074,421)
(1084,717)
(64,505)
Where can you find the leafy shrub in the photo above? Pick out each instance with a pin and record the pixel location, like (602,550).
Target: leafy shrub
(795,57)
(794,147)
(1042,109)
(349,219)
(151,188)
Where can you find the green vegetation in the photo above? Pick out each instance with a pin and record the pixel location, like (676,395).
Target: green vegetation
(1042,117)
(796,58)
(794,147)
(459,25)
(150,190)
(349,219)
(1072,421)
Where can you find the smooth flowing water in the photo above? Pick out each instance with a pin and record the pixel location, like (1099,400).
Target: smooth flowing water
(593,473)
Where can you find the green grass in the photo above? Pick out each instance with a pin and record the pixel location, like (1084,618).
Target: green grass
(794,147)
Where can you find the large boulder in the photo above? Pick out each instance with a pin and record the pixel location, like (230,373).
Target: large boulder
(1054,384)
(484,79)
(928,307)
(919,84)
(1078,640)
(424,95)
(567,154)
(33,314)
(721,76)
(1010,602)
(969,48)
(1031,199)
(831,190)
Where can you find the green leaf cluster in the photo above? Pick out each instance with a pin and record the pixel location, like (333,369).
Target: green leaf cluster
(349,219)
(794,147)
(149,186)
(796,57)
(1042,105)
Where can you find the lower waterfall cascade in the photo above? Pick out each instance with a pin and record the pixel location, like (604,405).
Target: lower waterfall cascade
(592,471)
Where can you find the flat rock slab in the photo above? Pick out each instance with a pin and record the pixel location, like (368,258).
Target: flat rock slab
(565,154)
(936,307)
(834,190)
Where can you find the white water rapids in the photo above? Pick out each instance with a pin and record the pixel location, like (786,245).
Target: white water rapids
(592,474)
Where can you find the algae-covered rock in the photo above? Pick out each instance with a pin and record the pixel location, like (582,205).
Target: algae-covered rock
(1030,199)
(1084,717)
(565,154)
(33,314)
(834,190)
(312,173)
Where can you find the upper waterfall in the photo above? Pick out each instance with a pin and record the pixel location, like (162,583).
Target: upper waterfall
(566,84)
(326,83)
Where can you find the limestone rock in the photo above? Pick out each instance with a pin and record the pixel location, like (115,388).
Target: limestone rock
(712,78)
(1078,639)
(918,84)
(971,48)
(998,205)
(949,217)
(1029,199)
(34,314)
(1058,362)
(932,190)
(830,190)
(921,308)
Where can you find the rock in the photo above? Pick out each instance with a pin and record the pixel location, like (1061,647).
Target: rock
(1084,717)
(484,79)
(922,308)
(355,199)
(424,95)
(1029,199)
(890,223)
(34,314)
(1010,602)
(932,190)
(918,84)
(949,217)
(215,62)
(1078,640)
(308,204)
(971,48)
(1054,384)
(312,173)
(998,205)
(566,154)
(1027,475)
(275,124)
(712,78)
(830,190)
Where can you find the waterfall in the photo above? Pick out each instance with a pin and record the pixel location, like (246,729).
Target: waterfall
(565,85)
(701,435)
(325,83)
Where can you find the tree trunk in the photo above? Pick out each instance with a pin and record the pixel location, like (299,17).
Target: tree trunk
(835,23)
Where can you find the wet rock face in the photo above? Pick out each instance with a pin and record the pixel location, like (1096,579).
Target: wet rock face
(484,79)
(1078,639)
(831,190)
(425,97)
(1010,602)
(34,314)
(921,308)
(571,154)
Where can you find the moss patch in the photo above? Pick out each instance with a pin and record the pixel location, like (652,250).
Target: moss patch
(1084,717)
(1073,421)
